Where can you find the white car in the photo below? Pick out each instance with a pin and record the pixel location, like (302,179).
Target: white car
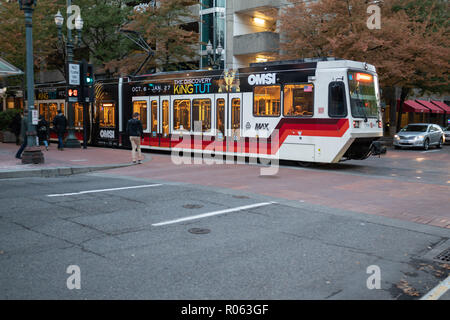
(447,134)
(421,135)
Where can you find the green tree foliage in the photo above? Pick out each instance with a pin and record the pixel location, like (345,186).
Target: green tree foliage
(162,26)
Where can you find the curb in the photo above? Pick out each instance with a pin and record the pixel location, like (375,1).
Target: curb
(63,171)
(56,172)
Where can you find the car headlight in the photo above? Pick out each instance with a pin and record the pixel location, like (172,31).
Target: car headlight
(419,137)
(396,137)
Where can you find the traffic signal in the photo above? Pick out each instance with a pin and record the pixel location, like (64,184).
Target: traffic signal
(88,74)
(72,92)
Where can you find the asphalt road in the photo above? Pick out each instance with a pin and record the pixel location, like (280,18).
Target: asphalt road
(131,244)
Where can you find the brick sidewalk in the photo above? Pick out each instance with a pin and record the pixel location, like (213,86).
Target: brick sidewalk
(69,158)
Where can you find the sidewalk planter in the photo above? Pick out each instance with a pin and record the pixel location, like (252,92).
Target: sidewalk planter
(7,137)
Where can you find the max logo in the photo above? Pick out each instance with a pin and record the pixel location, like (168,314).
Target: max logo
(262,126)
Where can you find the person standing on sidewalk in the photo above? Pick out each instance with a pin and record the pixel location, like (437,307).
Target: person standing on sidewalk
(60,123)
(135,131)
(42,130)
(23,134)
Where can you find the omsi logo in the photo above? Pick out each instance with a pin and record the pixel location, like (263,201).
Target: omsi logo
(262,79)
(107,134)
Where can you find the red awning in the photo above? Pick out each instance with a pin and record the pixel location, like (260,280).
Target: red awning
(412,106)
(429,105)
(442,105)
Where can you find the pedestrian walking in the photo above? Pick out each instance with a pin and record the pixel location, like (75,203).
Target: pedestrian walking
(23,134)
(135,131)
(60,125)
(43,130)
(15,127)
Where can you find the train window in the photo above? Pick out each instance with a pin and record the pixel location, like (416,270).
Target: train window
(298,100)
(43,111)
(141,108)
(53,111)
(78,109)
(235,114)
(61,107)
(182,114)
(165,120)
(337,107)
(154,124)
(107,115)
(220,116)
(266,101)
(201,113)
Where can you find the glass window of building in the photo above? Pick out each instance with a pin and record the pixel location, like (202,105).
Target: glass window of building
(154,116)
(165,120)
(298,100)
(107,115)
(182,115)
(141,108)
(61,107)
(201,114)
(220,116)
(266,101)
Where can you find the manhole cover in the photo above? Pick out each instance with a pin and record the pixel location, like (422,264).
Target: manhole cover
(199,231)
(443,256)
(192,206)
(241,197)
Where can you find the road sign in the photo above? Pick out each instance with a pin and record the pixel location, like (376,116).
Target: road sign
(74,74)
(34,117)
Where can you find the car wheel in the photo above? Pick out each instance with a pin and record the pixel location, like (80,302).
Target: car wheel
(441,142)
(426,145)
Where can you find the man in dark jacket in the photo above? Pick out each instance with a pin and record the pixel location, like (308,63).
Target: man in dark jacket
(60,125)
(135,131)
(15,127)
(23,134)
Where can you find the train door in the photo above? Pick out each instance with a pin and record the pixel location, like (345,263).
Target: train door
(141,106)
(154,121)
(220,122)
(234,121)
(164,123)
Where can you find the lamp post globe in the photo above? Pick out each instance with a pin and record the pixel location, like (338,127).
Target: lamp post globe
(59,19)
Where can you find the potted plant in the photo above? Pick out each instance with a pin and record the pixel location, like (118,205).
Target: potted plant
(6,125)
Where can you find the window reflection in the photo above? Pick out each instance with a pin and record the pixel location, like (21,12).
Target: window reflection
(267,101)
(141,108)
(154,123)
(298,100)
(201,113)
(107,115)
(182,115)
(165,123)
(220,114)
(78,109)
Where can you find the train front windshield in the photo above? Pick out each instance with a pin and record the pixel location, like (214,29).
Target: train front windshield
(363,97)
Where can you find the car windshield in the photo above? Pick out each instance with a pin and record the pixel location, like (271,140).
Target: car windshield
(363,98)
(414,128)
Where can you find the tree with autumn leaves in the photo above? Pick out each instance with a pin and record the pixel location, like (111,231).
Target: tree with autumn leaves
(410,50)
(159,22)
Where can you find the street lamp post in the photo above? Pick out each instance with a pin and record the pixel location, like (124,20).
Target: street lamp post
(214,55)
(71,140)
(32,153)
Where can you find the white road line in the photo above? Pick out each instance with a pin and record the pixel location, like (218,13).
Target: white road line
(431,151)
(438,291)
(103,190)
(215,213)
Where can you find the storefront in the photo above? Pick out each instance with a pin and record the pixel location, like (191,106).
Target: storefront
(9,100)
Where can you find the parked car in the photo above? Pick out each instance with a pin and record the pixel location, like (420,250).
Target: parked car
(421,135)
(447,134)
